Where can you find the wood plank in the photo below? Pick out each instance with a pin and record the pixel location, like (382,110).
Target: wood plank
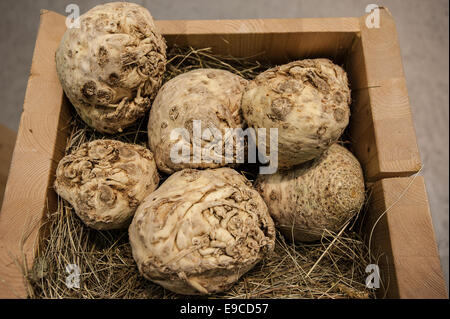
(382,131)
(37,151)
(279,40)
(7,141)
(410,265)
(362,134)
(257,26)
(394,135)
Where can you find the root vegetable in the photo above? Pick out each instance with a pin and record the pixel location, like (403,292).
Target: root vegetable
(211,96)
(307,100)
(200,231)
(111,67)
(105,181)
(322,194)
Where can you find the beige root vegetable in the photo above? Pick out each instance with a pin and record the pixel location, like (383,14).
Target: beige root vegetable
(105,181)
(200,231)
(307,100)
(211,96)
(111,67)
(322,194)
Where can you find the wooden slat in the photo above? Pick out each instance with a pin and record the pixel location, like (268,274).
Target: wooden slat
(381,127)
(279,40)
(404,236)
(39,146)
(257,26)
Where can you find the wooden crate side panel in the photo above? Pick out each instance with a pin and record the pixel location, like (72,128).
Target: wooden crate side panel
(277,47)
(257,26)
(378,239)
(381,126)
(277,40)
(39,146)
(361,125)
(395,138)
(410,265)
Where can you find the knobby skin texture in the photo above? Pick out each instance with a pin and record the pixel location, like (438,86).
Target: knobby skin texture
(307,100)
(318,195)
(200,231)
(210,95)
(111,67)
(105,181)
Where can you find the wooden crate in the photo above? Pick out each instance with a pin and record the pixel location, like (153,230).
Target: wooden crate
(381,130)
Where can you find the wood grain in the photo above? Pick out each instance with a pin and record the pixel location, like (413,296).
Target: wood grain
(29,195)
(256,26)
(404,236)
(279,40)
(381,126)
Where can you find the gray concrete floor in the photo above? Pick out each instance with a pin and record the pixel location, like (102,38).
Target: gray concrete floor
(423,34)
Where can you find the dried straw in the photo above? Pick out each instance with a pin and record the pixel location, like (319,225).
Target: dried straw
(331,268)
